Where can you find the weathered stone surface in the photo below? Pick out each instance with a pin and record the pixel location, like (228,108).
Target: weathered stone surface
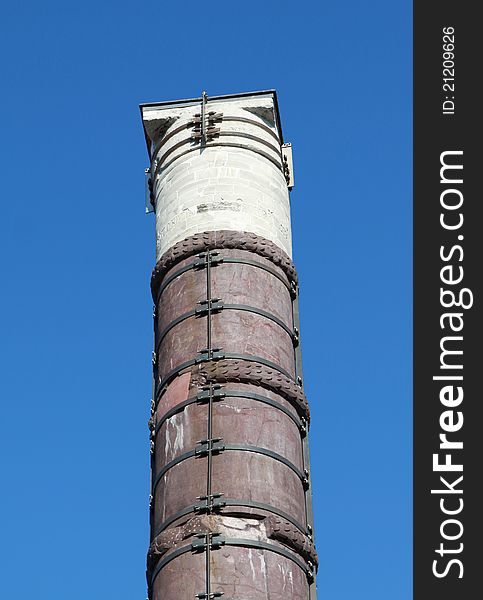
(248,576)
(283,531)
(233,283)
(219,240)
(236,184)
(238,419)
(250,479)
(254,373)
(228,430)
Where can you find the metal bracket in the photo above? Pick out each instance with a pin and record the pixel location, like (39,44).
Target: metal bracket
(210,133)
(213,305)
(288,164)
(202,262)
(212,502)
(204,123)
(213,541)
(209,446)
(215,393)
(149,196)
(214,117)
(208,542)
(306,480)
(208,354)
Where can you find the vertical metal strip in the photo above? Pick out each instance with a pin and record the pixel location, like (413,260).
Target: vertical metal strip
(299,378)
(210,399)
(209,493)
(209,428)
(153,412)
(208,304)
(204,99)
(208,565)
(305,440)
(209,436)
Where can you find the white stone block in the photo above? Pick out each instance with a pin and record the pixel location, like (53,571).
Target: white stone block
(220,187)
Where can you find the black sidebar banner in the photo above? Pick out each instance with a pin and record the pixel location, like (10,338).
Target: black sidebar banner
(448,333)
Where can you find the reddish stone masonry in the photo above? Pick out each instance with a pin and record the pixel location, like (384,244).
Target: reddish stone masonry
(230,506)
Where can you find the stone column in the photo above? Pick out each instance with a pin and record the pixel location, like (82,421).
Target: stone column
(230,502)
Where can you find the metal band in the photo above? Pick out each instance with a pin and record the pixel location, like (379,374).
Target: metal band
(181,143)
(173,149)
(275,162)
(248,357)
(224,239)
(237,542)
(171,374)
(247,543)
(232,502)
(224,119)
(254,263)
(167,559)
(268,508)
(270,402)
(168,136)
(231,394)
(241,307)
(262,313)
(251,149)
(170,465)
(226,260)
(270,454)
(177,321)
(233,598)
(253,138)
(175,410)
(174,517)
(172,277)
(252,122)
(227,448)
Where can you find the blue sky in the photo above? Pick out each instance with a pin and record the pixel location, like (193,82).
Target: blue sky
(77,251)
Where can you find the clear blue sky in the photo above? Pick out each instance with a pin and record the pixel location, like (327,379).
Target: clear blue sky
(77,251)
